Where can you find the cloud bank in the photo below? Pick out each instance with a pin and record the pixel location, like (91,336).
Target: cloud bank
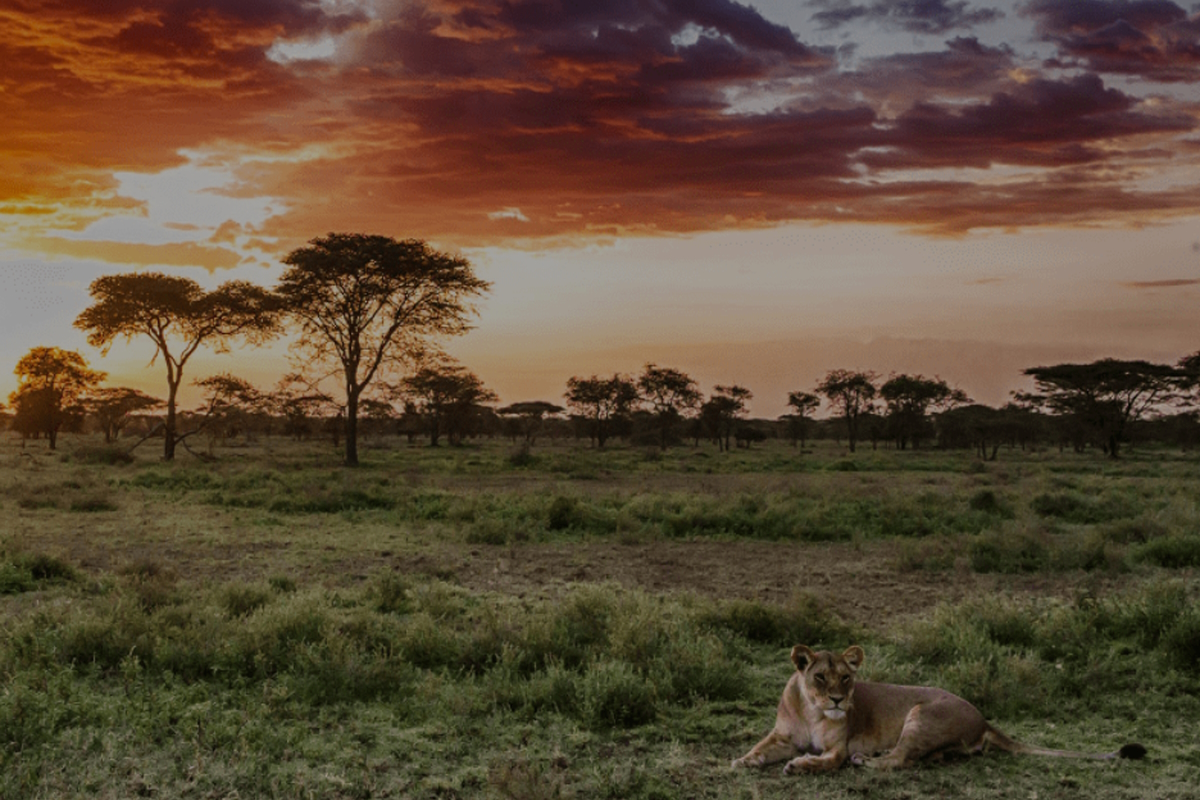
(524,121)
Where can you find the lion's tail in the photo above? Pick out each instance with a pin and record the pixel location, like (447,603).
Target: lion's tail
(995,738)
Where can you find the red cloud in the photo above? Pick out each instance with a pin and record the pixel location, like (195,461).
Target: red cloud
(591,118)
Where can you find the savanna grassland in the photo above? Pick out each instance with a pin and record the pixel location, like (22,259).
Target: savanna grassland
(495,622)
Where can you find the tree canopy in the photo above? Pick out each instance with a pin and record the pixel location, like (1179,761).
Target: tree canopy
(669,393)
(601,401)
(53,384)
(449,396)
(1104,396)
(372,304)
(909,399)
(850,395)
(178,316)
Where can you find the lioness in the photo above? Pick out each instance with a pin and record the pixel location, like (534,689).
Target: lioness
(825,716)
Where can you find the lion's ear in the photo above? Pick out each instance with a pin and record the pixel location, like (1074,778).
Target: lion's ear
(854,656)
(802,656)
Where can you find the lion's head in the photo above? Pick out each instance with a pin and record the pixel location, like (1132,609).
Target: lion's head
(828,678)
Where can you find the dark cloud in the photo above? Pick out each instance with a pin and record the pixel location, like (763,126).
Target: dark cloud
(965,68)
(1044,123)
(916,16)
(1155,39)
(1164,284)
(479,120)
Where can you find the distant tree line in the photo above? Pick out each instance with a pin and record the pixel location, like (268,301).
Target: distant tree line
(370,311)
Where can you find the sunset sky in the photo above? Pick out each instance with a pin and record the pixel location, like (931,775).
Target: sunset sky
(754,193)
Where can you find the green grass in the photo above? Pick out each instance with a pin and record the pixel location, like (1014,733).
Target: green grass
(243,628)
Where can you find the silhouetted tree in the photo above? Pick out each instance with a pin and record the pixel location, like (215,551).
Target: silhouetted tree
(721,412)
(910,399)
(449,396)
(178,316)
(669,393)
(804,405)
(529,416)
(601,401)
(371,304)
(1105,396)
(113,408)
(52,385)
(231,406)
(297,399)
(850,395)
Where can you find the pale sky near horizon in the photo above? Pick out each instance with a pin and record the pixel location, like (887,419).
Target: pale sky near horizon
(754,194)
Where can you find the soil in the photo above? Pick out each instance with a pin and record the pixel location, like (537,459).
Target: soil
(860,583)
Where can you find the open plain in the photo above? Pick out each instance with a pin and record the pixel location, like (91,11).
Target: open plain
(494,621)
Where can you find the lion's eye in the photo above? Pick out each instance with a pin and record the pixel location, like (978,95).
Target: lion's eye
(845,679)
(819,679)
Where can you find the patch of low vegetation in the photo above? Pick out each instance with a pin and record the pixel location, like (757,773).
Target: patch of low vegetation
(22,571)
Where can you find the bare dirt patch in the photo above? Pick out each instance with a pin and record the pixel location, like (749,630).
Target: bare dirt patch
(860,582)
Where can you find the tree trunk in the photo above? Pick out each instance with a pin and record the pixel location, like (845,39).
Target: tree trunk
(351,428)
(169,426)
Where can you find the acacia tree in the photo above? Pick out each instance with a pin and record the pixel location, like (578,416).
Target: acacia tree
(178,316)
(300,403)
(1105,396)
(722,411)
(53,384)
(449,396)
(371,304)
(669,393)
(601,401)
(529,416)
(113,408)
(910,398)
(803,405)
(851,395)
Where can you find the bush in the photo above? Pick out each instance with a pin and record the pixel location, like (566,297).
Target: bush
(613,695)
(1172,552)
(803,620)
(240,600)
(988,502)
(1009,552)
(563,514)
(1182,641)
(1079,510)
(92,505)
(390,594)
(109,454)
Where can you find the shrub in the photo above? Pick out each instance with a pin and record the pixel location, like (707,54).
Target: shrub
(390,594)
(1009,552)
(109,454)
(91,505)
(283,584)
(240,600)
(802,620)
(613,695)
(1073,508)
(988,502)
(1182,641)
(495,531)
(1134,531)
(563,514)
(1172,552)
(14,579)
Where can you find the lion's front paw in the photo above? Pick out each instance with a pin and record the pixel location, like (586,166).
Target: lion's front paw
(800,764)
(746,762)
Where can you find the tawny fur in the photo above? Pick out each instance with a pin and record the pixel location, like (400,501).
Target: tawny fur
(825,717)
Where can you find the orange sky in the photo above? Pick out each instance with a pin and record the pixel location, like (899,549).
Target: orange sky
(751,193)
